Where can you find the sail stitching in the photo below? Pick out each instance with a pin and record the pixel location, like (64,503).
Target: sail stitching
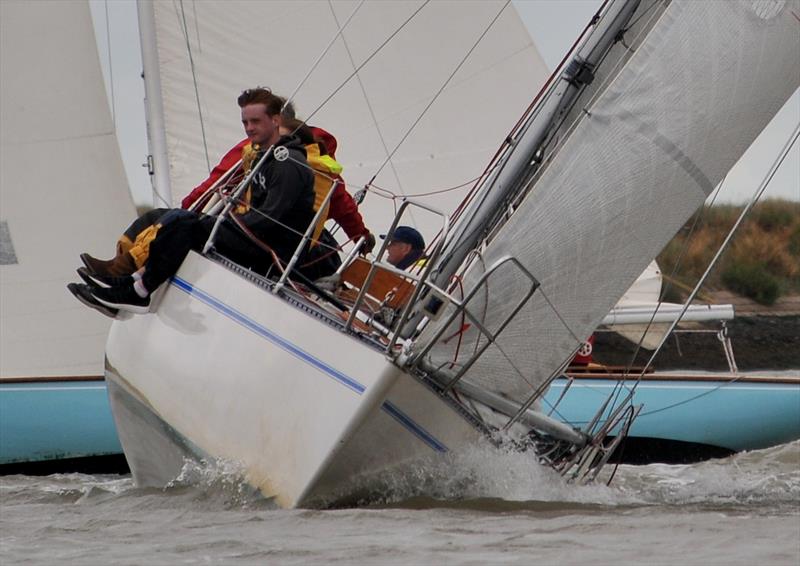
(611,77)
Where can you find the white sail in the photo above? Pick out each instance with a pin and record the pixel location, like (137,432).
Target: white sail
(668,114)
(62,187)
(210,51)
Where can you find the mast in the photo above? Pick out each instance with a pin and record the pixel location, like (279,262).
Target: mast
(670,109)
(157,162)
(524,154)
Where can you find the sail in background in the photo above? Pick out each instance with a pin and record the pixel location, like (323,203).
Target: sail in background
(237,45)
(663,123)
(63,189)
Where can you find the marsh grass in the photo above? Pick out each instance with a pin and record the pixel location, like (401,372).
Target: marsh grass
(762,262)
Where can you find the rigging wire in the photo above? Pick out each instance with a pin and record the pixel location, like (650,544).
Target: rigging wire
(110,67)
(600,90)
(367,60)
(566,135)
(439,92)
(773,170)
(322,56)
(508,146)
(196,27)
(364,93)
(185,30)
(764,184)
(391,195)
(651,14)
(617,391)
(361,66)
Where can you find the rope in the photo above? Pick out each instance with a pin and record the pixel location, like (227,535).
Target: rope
(367,60)
(185,30)
(764,184)
(364,93)
(322,55)
(110,67)
(439,92)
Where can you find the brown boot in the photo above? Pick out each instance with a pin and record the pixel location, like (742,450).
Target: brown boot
(120,265)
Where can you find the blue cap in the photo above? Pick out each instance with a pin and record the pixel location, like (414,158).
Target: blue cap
(408,235)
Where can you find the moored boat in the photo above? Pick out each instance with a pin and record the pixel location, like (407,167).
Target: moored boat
(63,190)
(686,416)
(57,425)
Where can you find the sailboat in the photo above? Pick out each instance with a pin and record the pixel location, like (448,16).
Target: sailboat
(316,397)
(54,411)
(62,190)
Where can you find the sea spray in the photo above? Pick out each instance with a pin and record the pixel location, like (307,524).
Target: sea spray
(481,471)
(764,477)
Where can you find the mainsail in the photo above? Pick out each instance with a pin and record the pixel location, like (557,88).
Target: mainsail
(670,110)
(62,187)
(209,51)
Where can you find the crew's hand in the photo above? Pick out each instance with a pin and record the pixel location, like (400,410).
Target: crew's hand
(368,245)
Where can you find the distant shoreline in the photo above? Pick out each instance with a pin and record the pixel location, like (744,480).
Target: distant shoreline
(760,342)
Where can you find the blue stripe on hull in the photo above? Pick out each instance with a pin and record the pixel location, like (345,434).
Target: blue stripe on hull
(267,334)
(418,431)
(352,384)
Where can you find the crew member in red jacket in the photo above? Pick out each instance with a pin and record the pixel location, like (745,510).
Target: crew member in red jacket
(132,251)
(342,209)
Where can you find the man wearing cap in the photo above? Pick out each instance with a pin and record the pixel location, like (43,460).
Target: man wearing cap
(405,247)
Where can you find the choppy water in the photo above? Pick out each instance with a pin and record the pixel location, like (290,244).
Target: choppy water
(486,507)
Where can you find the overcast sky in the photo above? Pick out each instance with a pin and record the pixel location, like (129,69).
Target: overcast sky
(553,25)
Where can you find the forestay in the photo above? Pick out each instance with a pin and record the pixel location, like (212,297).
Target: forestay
(210,51)
(668,114)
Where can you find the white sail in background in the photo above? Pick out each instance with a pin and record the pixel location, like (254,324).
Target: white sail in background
(210,51)
(666,117)
(62,187)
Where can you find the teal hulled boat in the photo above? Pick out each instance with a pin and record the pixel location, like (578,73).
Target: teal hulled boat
(686,417)
(57,425)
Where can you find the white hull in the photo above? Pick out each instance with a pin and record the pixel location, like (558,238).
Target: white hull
(199,378)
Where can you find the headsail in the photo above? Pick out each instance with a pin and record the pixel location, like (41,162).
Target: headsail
(62,187)
(209,51)
(672,108)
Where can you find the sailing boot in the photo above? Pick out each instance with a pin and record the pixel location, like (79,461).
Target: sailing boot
(95,280)
(120,265)
(84,295)
(124,298)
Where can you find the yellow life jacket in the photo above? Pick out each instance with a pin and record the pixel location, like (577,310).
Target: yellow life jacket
(249,155)
(140,247)
(325,169)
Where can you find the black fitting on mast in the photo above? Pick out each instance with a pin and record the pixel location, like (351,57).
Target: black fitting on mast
(579,73)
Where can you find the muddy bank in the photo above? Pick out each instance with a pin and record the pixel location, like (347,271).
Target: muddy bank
(759,343)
